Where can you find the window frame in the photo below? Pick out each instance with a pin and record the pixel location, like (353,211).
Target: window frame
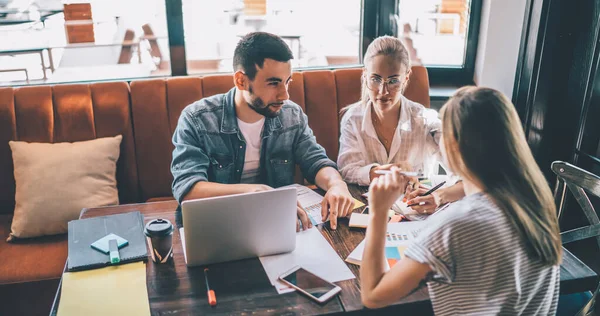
(375,21)
(374,24)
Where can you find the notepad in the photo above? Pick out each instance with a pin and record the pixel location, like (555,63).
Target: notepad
(359,220)
(114,290)
(84,232)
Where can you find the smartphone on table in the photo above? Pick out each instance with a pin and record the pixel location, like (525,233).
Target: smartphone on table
(309,284)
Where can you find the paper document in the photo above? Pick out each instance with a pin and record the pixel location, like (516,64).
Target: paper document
(311,202)
(397,238)
(402,208)
(114,290)
(359,220)
(313,253)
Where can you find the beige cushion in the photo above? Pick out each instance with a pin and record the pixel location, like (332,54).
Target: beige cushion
(55,181)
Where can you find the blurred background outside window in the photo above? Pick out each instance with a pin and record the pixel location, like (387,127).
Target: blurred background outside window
(435,30)
(315,35)
(51,41)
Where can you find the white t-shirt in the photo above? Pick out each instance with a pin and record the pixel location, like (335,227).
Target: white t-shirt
(253,135)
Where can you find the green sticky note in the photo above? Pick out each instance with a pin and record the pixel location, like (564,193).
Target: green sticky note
(102,243)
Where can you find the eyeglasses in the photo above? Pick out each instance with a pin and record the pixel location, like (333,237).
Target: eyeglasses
(376,83)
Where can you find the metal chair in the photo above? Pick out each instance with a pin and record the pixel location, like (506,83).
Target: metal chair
(579,181)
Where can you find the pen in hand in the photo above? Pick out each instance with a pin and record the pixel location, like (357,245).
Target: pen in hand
(406,173)
(212,298)
(428,193)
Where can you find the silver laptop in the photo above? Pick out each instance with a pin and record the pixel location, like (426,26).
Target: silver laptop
(239,226)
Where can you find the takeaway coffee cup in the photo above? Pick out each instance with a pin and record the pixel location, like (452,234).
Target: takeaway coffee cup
(159,233)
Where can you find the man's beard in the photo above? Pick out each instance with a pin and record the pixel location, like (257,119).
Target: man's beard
(258,105)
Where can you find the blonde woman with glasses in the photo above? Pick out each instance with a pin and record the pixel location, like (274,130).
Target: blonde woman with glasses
(498,250)
(385,129)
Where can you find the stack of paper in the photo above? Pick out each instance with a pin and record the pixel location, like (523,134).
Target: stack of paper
(398,237)
(313,253)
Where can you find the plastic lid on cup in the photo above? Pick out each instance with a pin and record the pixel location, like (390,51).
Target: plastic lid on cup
(158,227)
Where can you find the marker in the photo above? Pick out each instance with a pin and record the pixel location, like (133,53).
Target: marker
(113,251)
(406,173)
(428,192)
(212,298)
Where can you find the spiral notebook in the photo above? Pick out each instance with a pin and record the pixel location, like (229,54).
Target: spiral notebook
(83,232)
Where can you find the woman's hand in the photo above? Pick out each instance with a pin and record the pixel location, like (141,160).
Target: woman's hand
(402,165)
(423,204)
(385,190)
(436,199)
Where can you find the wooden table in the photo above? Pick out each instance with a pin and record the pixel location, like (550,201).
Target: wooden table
(243,286)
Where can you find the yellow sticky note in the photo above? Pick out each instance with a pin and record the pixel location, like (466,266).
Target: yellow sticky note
(114,290)
(358,204)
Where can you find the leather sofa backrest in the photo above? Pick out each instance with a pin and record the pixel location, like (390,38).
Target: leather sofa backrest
(67,113)
(146,113)
(157,104)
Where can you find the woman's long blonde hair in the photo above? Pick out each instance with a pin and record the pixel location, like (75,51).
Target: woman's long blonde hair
(386,46)
(485,144)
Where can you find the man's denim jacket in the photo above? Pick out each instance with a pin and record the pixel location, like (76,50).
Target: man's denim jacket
(210,147)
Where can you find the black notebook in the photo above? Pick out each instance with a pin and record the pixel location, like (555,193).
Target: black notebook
(83,232)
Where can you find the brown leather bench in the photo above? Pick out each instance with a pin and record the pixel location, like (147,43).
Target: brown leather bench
(145,112)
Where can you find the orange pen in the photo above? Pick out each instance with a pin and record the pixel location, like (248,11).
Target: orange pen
(212,298)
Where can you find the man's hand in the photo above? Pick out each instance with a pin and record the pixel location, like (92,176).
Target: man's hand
(338,201)
(249,188)
(303,218)
(385,190)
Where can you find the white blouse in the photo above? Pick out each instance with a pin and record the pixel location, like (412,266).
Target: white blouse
(416,141)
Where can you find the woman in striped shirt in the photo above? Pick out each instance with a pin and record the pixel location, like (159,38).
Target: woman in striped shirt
(498,250)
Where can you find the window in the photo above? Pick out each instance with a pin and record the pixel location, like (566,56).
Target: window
(435,30)
(47,41)
(213,28)
(50,41)
(440,34)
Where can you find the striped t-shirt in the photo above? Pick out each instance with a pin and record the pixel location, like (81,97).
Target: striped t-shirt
(480,265)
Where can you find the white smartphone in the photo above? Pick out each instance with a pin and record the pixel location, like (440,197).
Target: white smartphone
(310,284)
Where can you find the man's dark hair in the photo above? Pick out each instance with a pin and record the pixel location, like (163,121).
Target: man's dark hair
(254,48)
